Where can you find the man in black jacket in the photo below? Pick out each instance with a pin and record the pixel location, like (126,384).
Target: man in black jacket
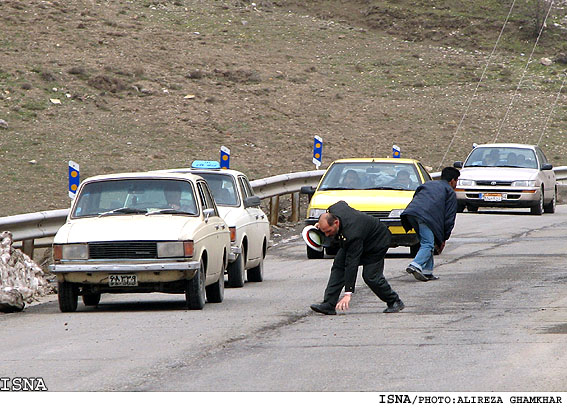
(363,241)
(431,213)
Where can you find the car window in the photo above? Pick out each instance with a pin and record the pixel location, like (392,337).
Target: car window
(370,175)
(134,195)
(206,197)
(541,156)
(502,157)
(223,188)
(245,187)
(424,172)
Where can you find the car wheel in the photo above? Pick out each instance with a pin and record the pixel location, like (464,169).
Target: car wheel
(550,208)
(91,299)
(195,292)
(312,254)
(256,274)
(472,208)
(538,208)
(236,272)
(67,295)
(413,250)
(215,292)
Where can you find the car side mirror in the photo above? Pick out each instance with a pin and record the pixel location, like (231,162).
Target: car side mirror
(307,190)
(458,164)
(207,213)
(252,201)
(547,166)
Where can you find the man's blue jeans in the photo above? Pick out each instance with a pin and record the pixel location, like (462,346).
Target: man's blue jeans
(424,258)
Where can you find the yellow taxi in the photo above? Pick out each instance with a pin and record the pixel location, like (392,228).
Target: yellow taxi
(381,188)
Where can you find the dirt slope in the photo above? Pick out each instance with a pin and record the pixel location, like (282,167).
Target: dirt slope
(141,85)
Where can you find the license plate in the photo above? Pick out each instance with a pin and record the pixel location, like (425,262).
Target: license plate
(492,197)
(122,280)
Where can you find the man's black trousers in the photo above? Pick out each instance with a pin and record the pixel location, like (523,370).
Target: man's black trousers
(373,275)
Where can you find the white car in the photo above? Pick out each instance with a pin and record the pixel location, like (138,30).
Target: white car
(142,232)
(240,208)
(506,175)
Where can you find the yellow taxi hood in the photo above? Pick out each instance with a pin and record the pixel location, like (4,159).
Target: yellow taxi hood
(363,200)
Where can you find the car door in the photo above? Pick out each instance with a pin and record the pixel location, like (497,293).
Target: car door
(253,219)
(548,176)
(216,233)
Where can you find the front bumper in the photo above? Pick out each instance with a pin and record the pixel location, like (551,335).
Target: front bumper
(509,197)
(124,268)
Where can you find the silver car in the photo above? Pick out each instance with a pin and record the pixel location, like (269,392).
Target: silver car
(506,175)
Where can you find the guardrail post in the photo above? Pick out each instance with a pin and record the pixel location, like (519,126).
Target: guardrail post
(274,210)
(28,247)
(295,207)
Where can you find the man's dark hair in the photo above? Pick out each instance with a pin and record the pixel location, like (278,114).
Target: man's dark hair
(330,218)
(450,173)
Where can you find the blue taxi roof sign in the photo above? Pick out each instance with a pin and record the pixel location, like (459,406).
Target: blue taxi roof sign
(206,164)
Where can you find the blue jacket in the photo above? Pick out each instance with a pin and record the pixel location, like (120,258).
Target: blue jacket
(434,203)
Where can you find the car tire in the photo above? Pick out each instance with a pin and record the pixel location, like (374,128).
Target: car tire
(472,208)
(67,294)
(215,292)
(91,299)
(195,291)
(538,208)
(414,249)
(256,274)
(236,271)
(312,254)
(550,208)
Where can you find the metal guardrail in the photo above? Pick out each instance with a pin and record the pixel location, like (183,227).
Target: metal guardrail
(29,227)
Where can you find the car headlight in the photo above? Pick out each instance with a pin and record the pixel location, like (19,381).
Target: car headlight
(176,249)
(395,213)
(524,183)
(316,212)
(465,182)
(70,251)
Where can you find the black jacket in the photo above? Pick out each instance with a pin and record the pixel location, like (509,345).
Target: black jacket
(363,238)
(435,203)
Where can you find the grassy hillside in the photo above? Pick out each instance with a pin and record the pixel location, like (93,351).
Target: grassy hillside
(141,85)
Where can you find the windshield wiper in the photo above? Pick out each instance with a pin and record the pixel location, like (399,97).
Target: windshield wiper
(169,211)
(337,188)
(123,210)
(383,188)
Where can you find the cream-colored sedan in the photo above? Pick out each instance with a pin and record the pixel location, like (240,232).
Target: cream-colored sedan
(240,208)
(142,232)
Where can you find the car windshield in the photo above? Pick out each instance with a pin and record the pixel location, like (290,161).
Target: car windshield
(371,176)
(502,157)
(135,196)
(223,188)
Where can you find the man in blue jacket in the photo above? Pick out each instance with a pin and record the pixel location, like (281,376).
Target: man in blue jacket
(431,213)
(363,240)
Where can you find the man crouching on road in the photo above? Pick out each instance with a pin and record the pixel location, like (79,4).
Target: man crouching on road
(363,241)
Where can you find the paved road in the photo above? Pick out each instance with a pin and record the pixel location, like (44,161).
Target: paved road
(495,321)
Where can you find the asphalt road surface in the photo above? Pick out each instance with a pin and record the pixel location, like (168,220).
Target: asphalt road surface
(496,320)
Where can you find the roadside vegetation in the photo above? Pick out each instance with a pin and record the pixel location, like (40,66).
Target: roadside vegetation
(141,85)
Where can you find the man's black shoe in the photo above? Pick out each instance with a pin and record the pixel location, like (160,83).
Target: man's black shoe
(395,307)
(430,276)
(324,308)
(416,273)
